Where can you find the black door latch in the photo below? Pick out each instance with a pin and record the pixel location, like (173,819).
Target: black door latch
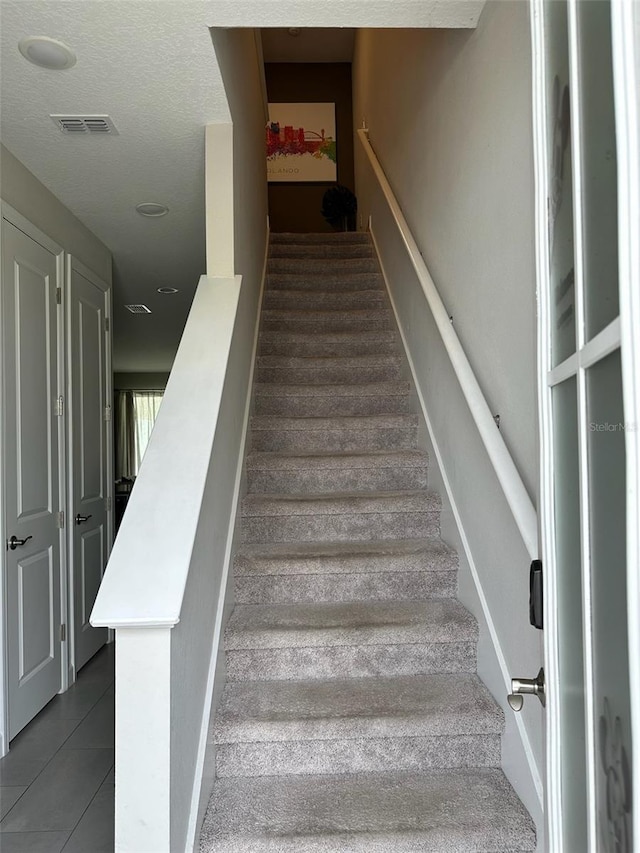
(535,594)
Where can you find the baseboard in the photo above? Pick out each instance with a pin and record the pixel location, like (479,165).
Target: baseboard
(532,793)
(205,767)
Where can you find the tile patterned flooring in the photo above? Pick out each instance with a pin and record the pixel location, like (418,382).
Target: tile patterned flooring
(57,782)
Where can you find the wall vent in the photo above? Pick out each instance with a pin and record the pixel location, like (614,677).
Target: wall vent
(138,309)
(85,124)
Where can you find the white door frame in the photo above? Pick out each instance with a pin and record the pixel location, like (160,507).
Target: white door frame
(624,332)
(72,263)
(625,22)
(19,221)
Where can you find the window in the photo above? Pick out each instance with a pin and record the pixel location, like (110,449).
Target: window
(145,411)
(135,415)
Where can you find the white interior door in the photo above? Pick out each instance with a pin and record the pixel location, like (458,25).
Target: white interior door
(89,452)
(584,420)
(31,276)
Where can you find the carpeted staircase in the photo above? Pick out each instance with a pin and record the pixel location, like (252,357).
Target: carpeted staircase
(352,720)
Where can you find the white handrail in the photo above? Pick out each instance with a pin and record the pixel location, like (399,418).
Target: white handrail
(510,481)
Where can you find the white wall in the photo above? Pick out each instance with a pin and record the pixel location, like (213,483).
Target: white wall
(449,115)
(452,128)
(23,191)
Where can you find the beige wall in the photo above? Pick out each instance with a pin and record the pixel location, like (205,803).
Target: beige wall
(24,192)
(452,127)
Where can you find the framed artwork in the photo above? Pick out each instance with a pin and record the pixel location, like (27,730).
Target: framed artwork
(301,143)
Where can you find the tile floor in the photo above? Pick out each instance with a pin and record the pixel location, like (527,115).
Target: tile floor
(57,782)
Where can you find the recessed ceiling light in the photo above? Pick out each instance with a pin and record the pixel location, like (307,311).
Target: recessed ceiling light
(168,290)
(294,31)
(47,53)
(150,208)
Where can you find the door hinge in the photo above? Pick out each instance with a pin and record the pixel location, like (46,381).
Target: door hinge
(107,413)
(58,409)
(59,295)
(107,504)
(60,520)
(107,324)
(63,632)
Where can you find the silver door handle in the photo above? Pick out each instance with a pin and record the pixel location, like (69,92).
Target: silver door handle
(521,687)
(14,542)
(80,519)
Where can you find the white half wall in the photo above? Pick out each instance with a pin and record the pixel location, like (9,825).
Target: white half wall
(452,130)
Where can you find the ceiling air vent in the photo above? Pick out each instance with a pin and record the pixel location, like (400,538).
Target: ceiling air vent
(138,309)
(85,124)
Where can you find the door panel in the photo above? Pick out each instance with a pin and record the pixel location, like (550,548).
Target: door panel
(31,333)
(88,452)
(584,462)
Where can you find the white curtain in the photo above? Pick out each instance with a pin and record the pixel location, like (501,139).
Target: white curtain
(145,411)
(125,436)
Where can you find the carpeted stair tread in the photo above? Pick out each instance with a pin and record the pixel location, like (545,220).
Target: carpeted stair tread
(322,265)
(409,706)
(380,342)
(337,504)
(321,250)
(456,811)
(358,423)
(336,281)
(392,388)
(327,320)
(319,299)
(308,558)
(329,237)
(255,626)
(382,459)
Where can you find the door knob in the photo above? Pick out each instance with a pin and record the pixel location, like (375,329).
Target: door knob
(14,542)
(521,687)
(80,519)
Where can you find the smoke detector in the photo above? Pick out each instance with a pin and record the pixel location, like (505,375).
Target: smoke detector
(83,124)
(138,309)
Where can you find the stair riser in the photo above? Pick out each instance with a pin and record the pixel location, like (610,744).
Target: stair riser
(275,299)
(338,406)
(340,528)
(339,283)
(321,251)
(332,349)
(298,321)
(323,266)
(334,440)
(329,238)
(350,661)
(381,586)
(332,374)
(361,755)
(336,480)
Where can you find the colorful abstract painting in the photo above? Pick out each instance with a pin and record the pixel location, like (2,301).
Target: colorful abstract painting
(301,142)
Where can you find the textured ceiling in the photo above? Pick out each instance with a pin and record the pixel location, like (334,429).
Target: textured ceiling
(310,45)
(150,65)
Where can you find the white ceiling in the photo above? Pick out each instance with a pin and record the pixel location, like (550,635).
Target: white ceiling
(150,65)
(319,44)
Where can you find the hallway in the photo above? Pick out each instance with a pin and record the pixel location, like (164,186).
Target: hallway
(57,782)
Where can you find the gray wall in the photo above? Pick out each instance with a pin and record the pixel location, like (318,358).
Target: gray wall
(24,192)
(452,129)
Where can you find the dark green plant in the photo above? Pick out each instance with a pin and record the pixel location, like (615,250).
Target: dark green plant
(339,208)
